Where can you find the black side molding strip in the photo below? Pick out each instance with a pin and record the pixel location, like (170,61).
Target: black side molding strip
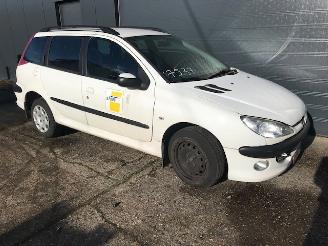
(204,88)
(274,150)
(99,113)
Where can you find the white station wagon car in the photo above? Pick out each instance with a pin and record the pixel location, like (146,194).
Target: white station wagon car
(153,92)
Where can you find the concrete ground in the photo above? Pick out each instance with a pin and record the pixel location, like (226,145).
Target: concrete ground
(82,190)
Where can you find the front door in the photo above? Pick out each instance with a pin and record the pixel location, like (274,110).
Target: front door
(110,107)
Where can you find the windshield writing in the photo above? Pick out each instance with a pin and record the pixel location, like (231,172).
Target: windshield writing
(177,60)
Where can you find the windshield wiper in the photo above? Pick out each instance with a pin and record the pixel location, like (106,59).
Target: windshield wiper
(187,79)
(227,71)
(223,72)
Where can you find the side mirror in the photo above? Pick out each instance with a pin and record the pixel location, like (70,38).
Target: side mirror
(129,80)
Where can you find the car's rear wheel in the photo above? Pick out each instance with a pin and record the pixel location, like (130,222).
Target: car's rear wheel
(43,119)
(197,157)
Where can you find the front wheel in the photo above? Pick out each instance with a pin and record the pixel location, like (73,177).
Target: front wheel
(43,119)
(197,157)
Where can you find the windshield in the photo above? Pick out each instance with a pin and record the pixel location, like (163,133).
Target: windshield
(177,60)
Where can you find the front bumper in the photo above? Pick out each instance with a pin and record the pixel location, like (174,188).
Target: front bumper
(271,151)
(241,161)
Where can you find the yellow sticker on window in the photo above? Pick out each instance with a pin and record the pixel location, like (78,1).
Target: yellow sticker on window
(114,101)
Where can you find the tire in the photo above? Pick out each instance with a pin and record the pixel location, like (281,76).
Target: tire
(43,119)
(197,157)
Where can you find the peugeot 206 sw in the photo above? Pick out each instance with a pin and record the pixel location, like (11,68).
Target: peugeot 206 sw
(153,92)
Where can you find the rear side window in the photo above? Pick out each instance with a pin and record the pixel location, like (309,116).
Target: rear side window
(64,53)
(35,50)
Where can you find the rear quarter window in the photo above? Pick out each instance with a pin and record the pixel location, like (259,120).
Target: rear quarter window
(64,53)
(35,51)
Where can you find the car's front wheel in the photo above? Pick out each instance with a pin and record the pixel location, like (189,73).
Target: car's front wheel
(197,157)
(43,119)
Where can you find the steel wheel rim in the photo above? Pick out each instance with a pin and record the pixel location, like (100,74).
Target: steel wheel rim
(191,160)
(41,119)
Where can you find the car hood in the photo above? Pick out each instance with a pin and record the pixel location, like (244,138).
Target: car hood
(247,94)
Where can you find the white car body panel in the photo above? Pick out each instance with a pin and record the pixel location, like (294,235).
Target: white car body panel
(53,83)
(132,103)
(163,105)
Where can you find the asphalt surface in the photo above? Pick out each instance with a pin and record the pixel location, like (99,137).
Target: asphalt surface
(82,190)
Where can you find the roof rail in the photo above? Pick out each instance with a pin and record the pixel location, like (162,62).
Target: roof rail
(79,28)
(146,28)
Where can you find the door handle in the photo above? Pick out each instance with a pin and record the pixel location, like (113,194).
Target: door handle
(90,90)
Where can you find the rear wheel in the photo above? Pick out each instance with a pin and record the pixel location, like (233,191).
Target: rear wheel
(197,157)
(43,119)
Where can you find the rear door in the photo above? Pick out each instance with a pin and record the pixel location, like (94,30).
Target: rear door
(110,107)
(62,77)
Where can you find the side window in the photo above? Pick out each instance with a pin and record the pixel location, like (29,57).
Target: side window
(35,50)
(98,59)
(107,60)
(64,53)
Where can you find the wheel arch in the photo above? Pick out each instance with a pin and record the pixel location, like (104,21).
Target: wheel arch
(170,132)
(30,97)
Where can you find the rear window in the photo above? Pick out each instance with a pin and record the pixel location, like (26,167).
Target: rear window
(35,50)
(64,53)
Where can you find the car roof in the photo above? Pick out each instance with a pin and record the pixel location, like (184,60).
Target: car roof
(122,32)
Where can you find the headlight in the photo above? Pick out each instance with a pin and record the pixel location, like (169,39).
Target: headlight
(267,128)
